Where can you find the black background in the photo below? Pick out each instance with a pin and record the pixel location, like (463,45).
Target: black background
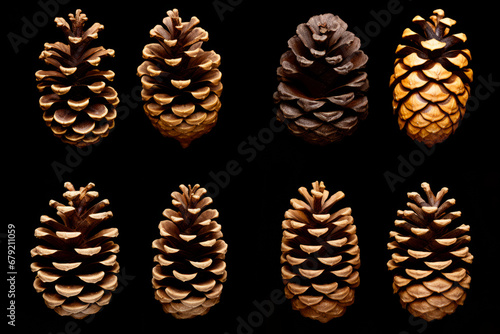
(137,169)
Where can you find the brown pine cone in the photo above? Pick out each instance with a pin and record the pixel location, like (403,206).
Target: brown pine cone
(320,255)
(321,94)
(191,268)
(430,257)
(76,263)
(431,80)
(78,106)
(181,82)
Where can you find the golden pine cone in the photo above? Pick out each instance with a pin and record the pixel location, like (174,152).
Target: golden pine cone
(320,255)
(76,263)
(431,80)
(78,106)
(430,257)
(181,82)
(321,91)
(191,268)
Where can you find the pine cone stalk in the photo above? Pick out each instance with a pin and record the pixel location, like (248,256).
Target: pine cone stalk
(190,266)
(75,264)
(320,255)
(431,80)
(181,82)
(321,91)
(430,257)
(78,105)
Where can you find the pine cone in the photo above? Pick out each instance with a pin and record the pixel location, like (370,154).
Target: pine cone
(181,82)
(430,256)
(320,255)
(321,93)
(76,263)
(78,106)
(191,269)
(431,80)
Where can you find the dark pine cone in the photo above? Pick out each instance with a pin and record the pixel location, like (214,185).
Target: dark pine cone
(321,94)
